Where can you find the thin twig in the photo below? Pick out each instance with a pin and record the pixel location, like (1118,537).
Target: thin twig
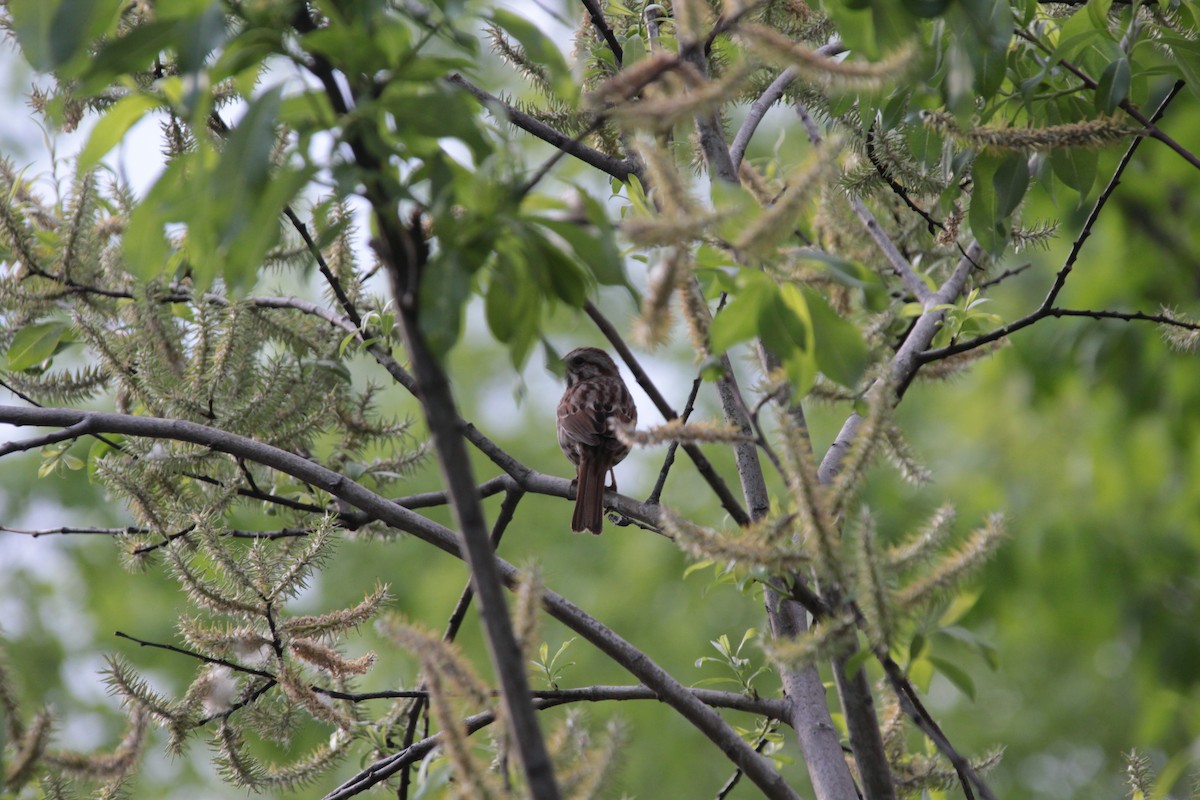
(910,701)
(332,280)
(736,777)
(81,428)
(617,168)
(660,483)
(198,656)
(932,224)
(1003,276)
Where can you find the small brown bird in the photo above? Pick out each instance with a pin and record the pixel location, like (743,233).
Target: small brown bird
(594,404)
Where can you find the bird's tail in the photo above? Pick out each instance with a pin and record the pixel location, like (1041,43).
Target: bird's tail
(589,497)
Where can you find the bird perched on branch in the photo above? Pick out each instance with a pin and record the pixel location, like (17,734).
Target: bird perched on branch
(596,402)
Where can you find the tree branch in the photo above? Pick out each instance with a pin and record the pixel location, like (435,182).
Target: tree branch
(81,428)
(910,701)
(1152,130)
(758,109)
(1047,307)
(384,768)
(617,168)
(601,26)
(508,508)
(405,262)
(908,276)
(806,696)
(637,663)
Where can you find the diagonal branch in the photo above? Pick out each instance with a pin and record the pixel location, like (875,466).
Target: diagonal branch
(602,27)
(1152,130)
(900,265)
(759,108)
(617,168)
(509,507)
(633,660)
(402,252)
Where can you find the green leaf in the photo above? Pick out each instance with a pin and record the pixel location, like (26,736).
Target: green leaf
(1076,168)
(783,323)
(1072,42)
(958,608)
(145,246)
(841,353)
(198,36)
(33,344)
(230,203)
(246,156)
(597,248)
(1185,55)
(738,321)
(512,306)
(135,50)
(955,674)
(737,208)
(445,287)
(1113,85)
(1097,11)
(988,225)
(52,33)
(926,9)
(555,270)
(1010,180)
(113,126)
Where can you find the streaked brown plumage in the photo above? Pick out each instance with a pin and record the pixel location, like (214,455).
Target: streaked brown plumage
(595,402)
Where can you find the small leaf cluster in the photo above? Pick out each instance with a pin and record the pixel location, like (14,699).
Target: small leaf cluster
(741,669)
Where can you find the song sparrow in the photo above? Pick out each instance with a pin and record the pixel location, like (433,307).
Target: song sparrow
(595,402)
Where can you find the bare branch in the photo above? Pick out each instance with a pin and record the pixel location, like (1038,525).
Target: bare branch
(512,498)
(81,428)
(384,768)
(758,109)
(669,690)
(601,25)
(617,168)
